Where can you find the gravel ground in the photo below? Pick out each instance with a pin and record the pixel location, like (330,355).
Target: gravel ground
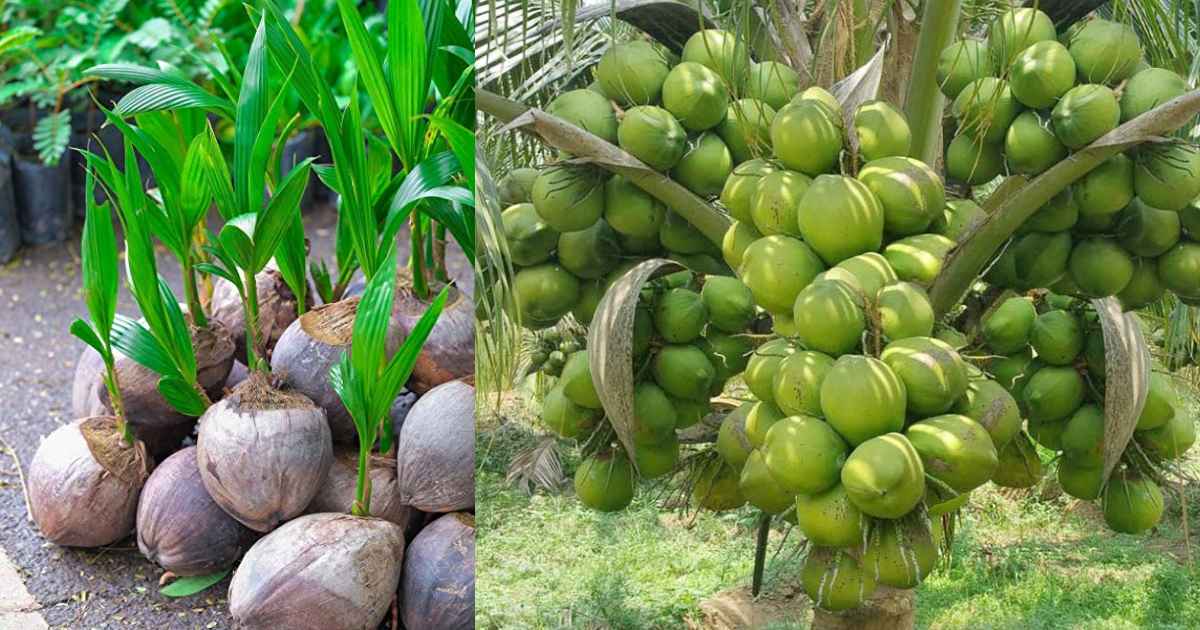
(114,587)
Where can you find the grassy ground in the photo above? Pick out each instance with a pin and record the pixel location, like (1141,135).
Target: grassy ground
(1019,562)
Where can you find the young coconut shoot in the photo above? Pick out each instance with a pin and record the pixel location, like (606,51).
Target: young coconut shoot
(367,380)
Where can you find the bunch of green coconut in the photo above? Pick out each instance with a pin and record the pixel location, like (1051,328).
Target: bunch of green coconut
(1053,364)
(1023,100)
(688,341)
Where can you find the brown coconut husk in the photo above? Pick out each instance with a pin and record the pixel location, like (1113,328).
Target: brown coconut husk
(179,526)
(318,572)
(449,352)
(437,590)
(276,310)
(263,453)
(436,450)
(338,492)
(84,483)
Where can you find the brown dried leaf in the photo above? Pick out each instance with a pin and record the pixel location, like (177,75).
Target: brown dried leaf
(1126,377)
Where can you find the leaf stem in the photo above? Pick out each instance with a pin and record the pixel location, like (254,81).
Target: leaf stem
(253,357)
(114,397)
(362,487)
(193,295)
(417,249)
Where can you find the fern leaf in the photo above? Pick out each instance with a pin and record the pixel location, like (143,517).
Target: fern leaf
(51,137)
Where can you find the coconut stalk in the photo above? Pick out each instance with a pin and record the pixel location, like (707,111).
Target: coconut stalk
(1007,212)
(924,101)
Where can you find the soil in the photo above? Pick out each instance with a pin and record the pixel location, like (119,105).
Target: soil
(114,587)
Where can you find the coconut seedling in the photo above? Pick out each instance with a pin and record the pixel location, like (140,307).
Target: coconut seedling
(85,477)
(350,563)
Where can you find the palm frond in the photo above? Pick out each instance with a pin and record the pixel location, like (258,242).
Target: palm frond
(537,467)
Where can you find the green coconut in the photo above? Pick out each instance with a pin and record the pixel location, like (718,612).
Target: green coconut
(961,63)
(1057,215)
(517,186)
(652,135)
(681,237)
(729,302)
(544,293)
(1083,436)
(773,83)
(1014,31)
(696,96)
(918,258)
(727,353)
(1053,393)
(797,384)
(1093,354)
(773,206)
(882,131)
(763,365)
(689,412)
(1148,89)
(1189,217)
(777,268)
(591,252)
(989,404)
(680,315)
(737,238)
(1030,145)
(1085,113)
(605,481)
(683,371)
(639,245)
(840,217)
(805,138)
(590,294)
(1144,287)
(653,414)
(587,110)
(902,554)
(1148,231)
(763,415)
(576,381)
(1048,434)
(630,210)
(1100,267)
(716,487)
(632,73)
(719,51)
(1171,440)
(1179,269)
(1104,51)
(1161,403)
(957,218)
(972,162)
(732,443)
(1039,258)
(804,454)
(829,519)
(783,325)
(904,311)
(530,239)
(1167,177)
(955,338)
(1132,503)
(746,129)
(825,99)
(1042,73)
(1006,330)
(566,418)
(911,193)
(1080,481)
(657,459)
(569,198)
(868,272)
(984,109)
(1019,465)
(861,397)
(835,580)
(829,317)
(705,166)
(933,373)
(955,450)
(1106,189)
(884,476)
(738,193)
(760,488)
(1057,337)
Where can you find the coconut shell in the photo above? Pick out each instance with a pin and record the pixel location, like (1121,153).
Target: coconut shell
(449,352)
(179,526)
(436,450)
(263,453)
(437,590)
(337,492)
(276,310)
(319,572)
(144,405)
(237,374)
(84,482)
(309,349)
